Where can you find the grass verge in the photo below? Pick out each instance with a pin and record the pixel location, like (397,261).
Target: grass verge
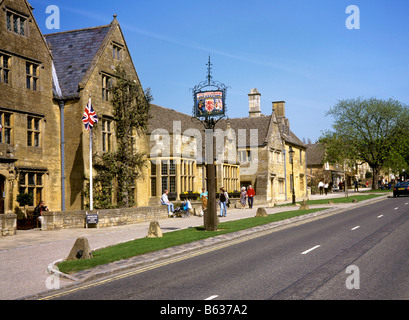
(175,238)
(171,239)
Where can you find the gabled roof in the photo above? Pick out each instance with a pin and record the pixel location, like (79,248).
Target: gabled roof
(74,52)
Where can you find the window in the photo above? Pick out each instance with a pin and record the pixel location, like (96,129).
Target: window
(31,182)
(168,172)
(153,178)
(116,52)
(5,122)
(4,68)
(230,178)
(106,135)
(33,132)
(244,156)
(106,87)
(31,76)
(16,23)
(187,177)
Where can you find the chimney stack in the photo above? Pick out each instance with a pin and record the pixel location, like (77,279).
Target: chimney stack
(254,103)
(279,108)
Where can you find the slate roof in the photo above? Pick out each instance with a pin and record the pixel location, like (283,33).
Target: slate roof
(73,53)
(315,154)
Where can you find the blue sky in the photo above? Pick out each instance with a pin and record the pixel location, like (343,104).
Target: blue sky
(299,51)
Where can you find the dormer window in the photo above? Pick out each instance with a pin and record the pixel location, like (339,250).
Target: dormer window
(16,23)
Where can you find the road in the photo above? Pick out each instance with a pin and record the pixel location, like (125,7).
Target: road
(358,254)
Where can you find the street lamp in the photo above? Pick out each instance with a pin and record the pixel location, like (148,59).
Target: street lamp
(292,152)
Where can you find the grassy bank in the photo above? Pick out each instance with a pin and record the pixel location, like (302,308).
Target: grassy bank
(171,239)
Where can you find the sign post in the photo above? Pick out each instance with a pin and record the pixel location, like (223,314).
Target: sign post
(209,107)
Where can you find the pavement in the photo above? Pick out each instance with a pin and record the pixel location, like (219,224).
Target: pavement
(28,259)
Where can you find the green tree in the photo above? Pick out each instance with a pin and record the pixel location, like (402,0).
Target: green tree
(119,169)
(367,130)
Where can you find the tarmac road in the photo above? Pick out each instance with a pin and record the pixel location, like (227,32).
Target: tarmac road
(25,257)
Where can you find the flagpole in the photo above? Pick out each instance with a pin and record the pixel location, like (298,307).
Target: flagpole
(91,205)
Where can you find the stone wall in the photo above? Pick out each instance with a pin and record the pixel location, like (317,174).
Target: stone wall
(8,224)
(106,218)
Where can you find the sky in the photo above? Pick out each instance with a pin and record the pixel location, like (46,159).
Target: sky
(308,53)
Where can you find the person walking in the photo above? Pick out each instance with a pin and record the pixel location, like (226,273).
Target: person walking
(243,197)
(250,196)
(321,187)
(223,198)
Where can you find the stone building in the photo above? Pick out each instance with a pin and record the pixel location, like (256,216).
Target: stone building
(46,82)
(85,61)
(30,154)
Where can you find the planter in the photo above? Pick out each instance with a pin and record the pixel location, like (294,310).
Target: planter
(190,196)
(233,195)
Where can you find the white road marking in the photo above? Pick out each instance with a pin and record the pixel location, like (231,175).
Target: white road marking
(354,228)
(396,208)
(406,203)
(211,297)
(380,216)
(309,250)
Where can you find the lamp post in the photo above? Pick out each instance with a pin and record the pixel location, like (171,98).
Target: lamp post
(292,152)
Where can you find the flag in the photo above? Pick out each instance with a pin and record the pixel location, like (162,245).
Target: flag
(90,117)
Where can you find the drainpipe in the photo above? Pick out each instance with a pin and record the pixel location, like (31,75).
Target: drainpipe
(62,104)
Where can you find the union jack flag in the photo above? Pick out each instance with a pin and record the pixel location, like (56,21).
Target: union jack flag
(90,117)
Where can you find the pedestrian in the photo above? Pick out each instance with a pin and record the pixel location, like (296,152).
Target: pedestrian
(223,198)
(326,188)
(164,200)
(38,211)
(203,198)
(243,197)
(356,185)
(321,187)
(250,196)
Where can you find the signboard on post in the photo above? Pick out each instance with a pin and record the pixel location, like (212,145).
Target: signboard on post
(209,103)
(91,219)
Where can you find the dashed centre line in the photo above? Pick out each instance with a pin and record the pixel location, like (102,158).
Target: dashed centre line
(309,250)
(380,216)
(211,297)
(354,228)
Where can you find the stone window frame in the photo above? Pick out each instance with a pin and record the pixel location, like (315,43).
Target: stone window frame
(107,133)
(32,182)
(168,175)
(6,122)
(106,85)
(32,75)
(231,177)
(117,51)
(187,177)
(16,23)
(5,63)
(34,131)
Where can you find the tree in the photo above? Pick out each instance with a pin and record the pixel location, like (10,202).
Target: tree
(131,107)
(367,130)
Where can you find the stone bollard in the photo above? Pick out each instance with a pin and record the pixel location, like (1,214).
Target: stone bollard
(354,200)
(154,230)
(261,212)
(304,205)
(80,250)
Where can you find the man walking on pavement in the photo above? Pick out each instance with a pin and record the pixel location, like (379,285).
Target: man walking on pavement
(250,194)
